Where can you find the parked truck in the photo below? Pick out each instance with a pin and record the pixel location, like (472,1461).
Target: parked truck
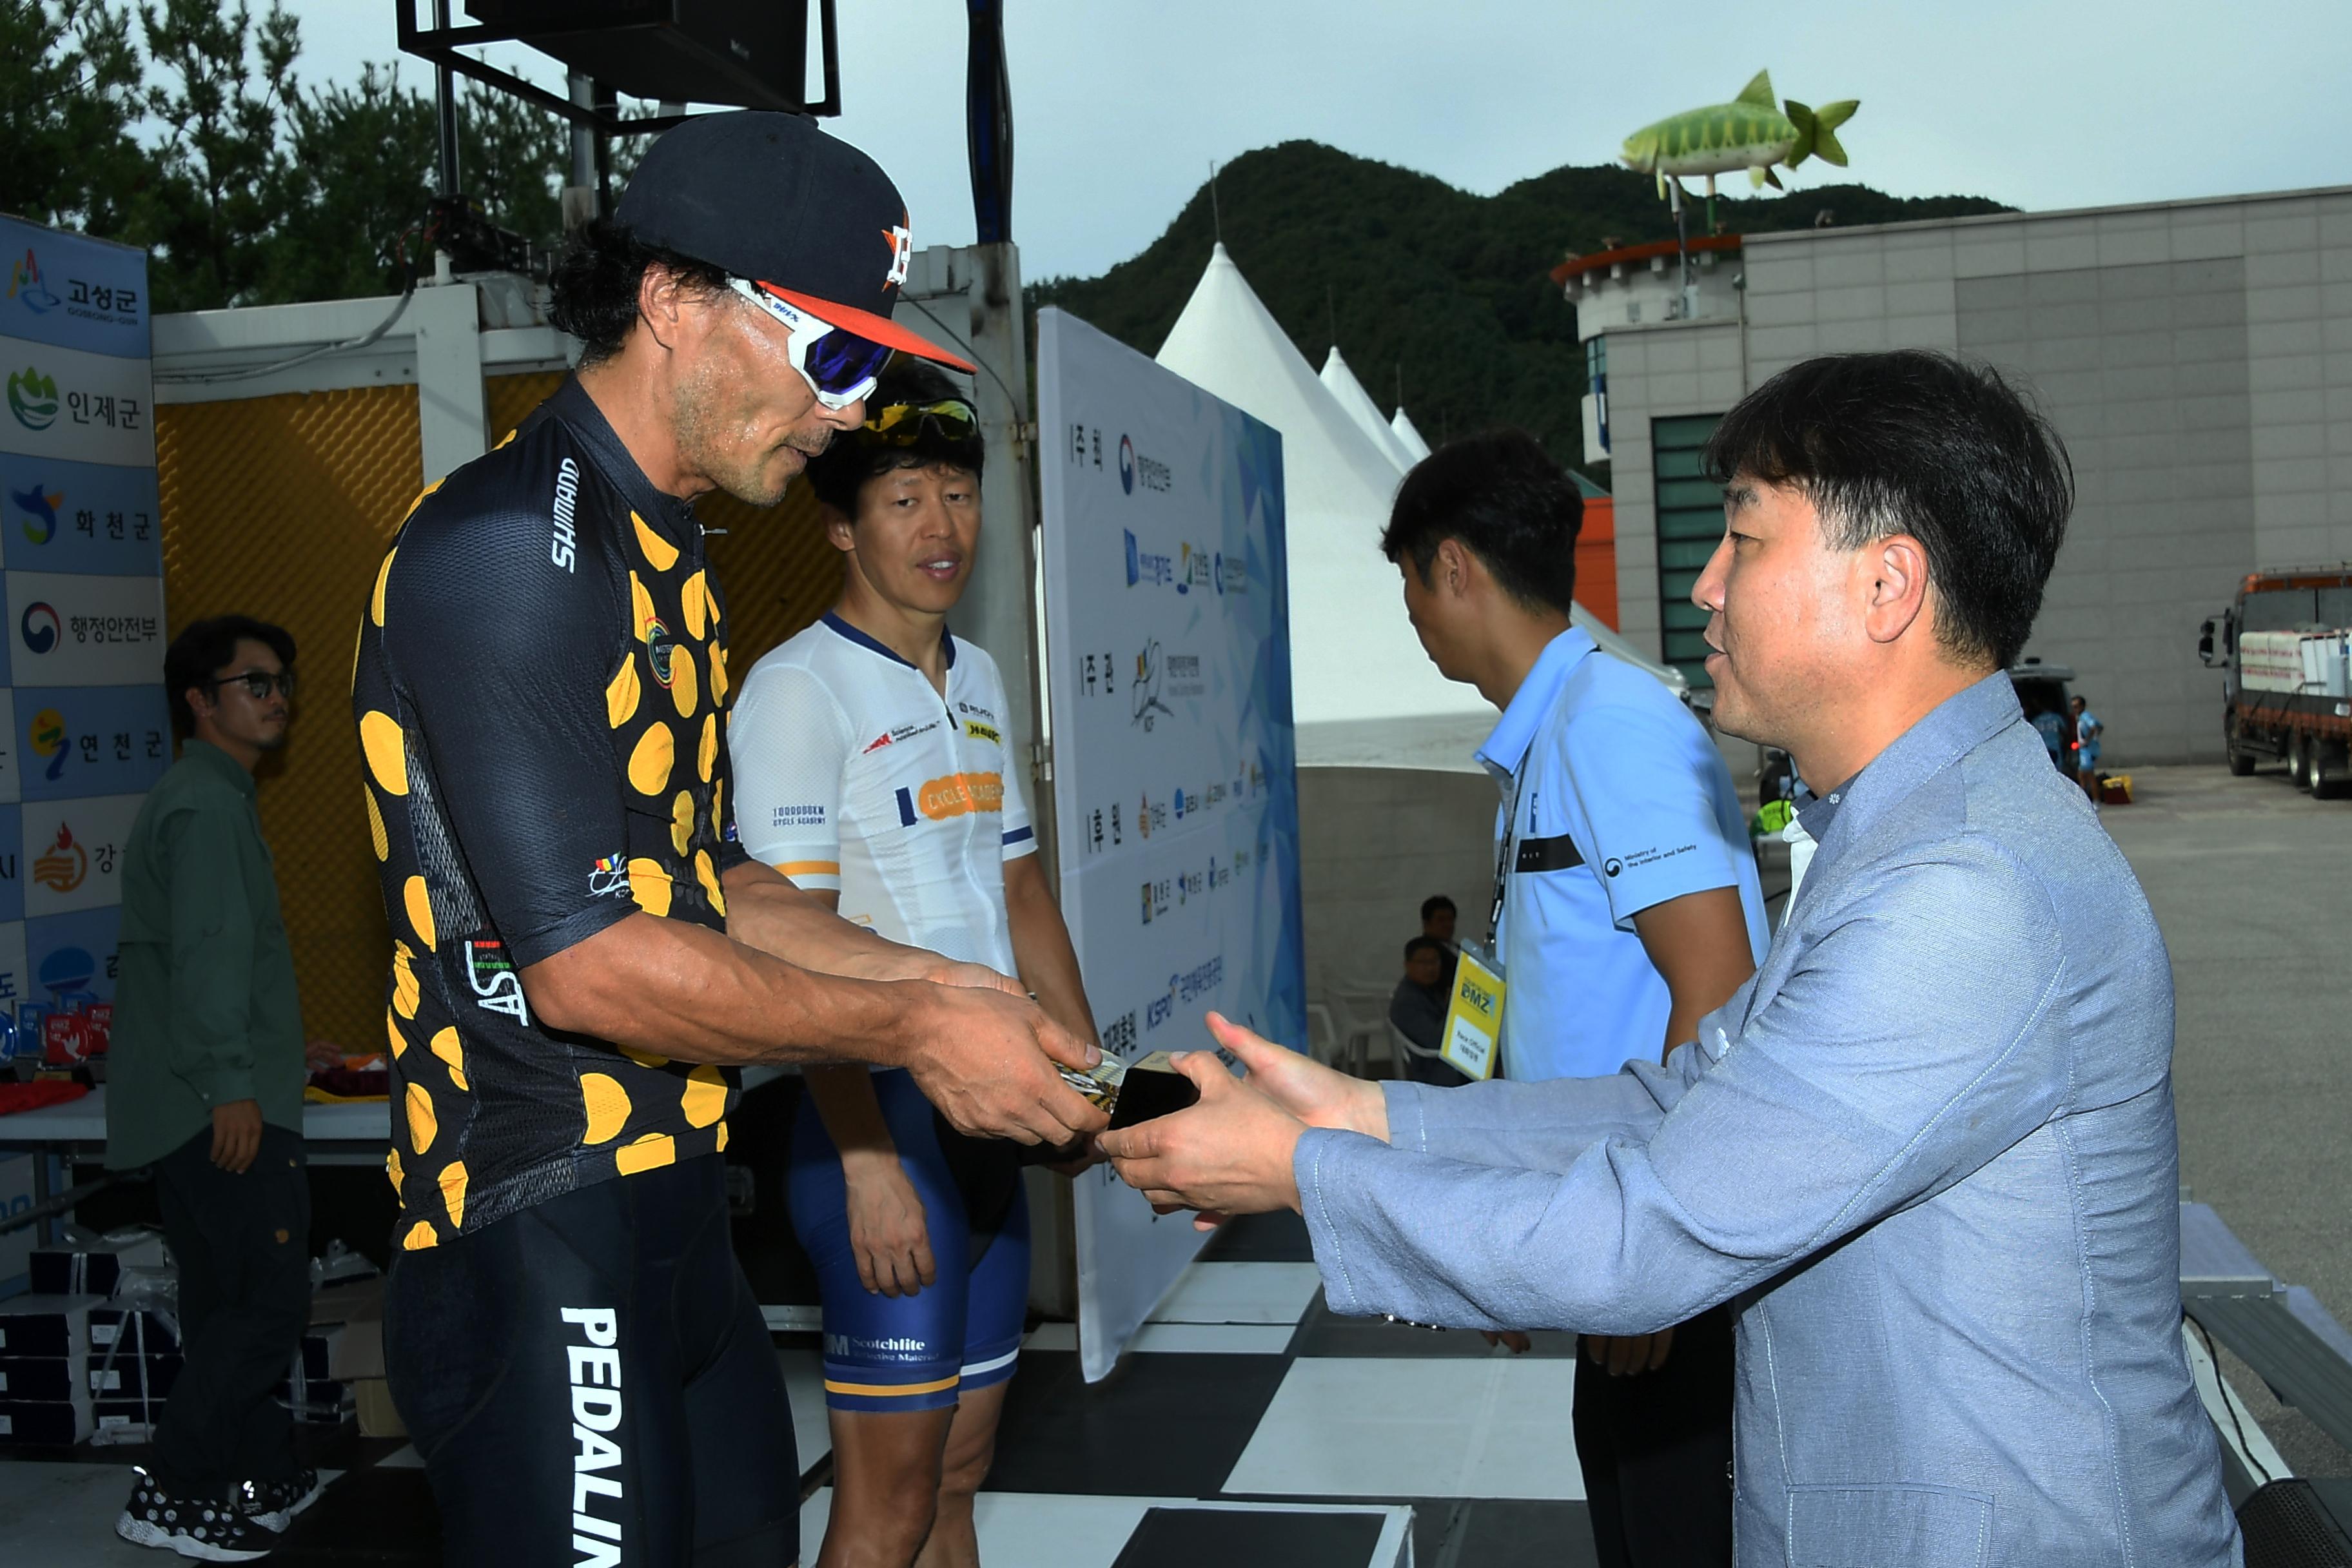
(2285,650)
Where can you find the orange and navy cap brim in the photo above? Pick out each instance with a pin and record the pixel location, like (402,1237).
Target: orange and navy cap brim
(873,328)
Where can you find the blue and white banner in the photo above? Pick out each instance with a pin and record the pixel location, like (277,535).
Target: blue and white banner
(69,291)
(84,727)
(67,629)
(76,406)
(1175,790)
(83,741)
(57,516)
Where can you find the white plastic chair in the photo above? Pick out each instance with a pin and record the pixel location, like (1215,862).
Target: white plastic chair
(1363,1014)
(1402,1045)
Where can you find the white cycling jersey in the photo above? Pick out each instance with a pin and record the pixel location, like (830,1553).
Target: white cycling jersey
(852,774)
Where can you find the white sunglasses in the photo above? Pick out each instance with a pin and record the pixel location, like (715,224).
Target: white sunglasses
(839,366)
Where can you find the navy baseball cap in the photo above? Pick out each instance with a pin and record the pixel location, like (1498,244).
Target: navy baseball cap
(771,198)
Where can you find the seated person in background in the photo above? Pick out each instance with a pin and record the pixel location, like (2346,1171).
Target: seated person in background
(1437,921)
(1418,1009)
(1437,924)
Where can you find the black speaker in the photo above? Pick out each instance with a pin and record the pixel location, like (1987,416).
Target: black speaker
(752,54)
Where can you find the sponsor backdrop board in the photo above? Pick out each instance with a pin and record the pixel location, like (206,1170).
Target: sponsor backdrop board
(1175,793)
(87,727)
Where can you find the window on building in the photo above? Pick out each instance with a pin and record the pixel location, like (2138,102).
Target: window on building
(1690,525)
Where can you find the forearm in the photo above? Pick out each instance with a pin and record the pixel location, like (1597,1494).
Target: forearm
(1042,950)
(1597,1250)
(211,1033)
(765,911)
(688,993)
(845,1103)
(1539,1126)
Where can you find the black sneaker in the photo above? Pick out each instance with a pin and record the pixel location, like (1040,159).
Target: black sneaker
(206,1527)
(275,1503)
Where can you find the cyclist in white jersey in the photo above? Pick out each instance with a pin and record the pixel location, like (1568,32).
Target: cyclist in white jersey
(871,767)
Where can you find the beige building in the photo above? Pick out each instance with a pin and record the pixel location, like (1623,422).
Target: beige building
(2197,357)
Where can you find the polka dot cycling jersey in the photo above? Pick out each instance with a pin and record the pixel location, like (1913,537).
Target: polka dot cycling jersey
(856,776)
(541,689)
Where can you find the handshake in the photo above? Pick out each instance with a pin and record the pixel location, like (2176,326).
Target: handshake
(1177,1126)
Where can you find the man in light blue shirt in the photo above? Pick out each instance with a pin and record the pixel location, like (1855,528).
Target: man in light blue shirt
(1615,803)
(1626,905)
(1928,1153)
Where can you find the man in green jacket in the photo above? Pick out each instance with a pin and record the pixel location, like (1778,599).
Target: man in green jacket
(204,1086)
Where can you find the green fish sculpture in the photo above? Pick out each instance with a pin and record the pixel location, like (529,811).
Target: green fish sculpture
(1746,133)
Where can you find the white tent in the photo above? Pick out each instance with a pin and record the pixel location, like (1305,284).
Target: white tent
(1408,437)
(1351,395)
(1363,692)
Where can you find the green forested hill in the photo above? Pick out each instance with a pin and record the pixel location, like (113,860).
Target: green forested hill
(1450,288)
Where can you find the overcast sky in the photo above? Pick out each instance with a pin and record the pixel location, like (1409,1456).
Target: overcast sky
(1120,105)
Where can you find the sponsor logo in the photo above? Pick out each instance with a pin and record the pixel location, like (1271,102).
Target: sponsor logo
(595,1411)
(497,987)
(1119,1035)
(25,283)
(48,740)
(961,795)
(855,1344)
(1641,859)
(609,878)
(1135,468)
(38,624)
(1198,981)
(1142,566)
(974,711)
(1233,573)
(564,548)
(1184,675)
(40,508)
(67,970)
(1143,693)
(812,814)
(32,398)
(901,239)
(1193,569)
(63,866)
(659,646)
(1478,995)
(979,732)
(902,733)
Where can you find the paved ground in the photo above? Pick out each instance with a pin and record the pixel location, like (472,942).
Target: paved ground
(2251,881)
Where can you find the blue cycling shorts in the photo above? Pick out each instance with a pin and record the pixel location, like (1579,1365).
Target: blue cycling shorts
(963,1331)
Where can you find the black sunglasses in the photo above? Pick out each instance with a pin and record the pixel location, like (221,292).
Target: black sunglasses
(257,682)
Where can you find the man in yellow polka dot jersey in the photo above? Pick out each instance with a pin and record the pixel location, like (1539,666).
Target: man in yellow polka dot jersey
(582,953)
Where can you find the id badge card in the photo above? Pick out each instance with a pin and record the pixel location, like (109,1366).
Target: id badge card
(1473,1018)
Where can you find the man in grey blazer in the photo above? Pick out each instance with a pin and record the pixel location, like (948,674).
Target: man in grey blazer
(1927,1153)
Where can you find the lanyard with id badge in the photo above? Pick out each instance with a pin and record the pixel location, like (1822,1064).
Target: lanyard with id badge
(1471,1045)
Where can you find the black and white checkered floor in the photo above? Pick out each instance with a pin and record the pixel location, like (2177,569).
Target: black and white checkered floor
(1248,1426)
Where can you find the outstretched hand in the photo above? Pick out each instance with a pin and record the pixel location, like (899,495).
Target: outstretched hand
(1230,1153)
(1315,1094)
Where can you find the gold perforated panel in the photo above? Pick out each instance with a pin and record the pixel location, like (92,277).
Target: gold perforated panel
(280,508)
